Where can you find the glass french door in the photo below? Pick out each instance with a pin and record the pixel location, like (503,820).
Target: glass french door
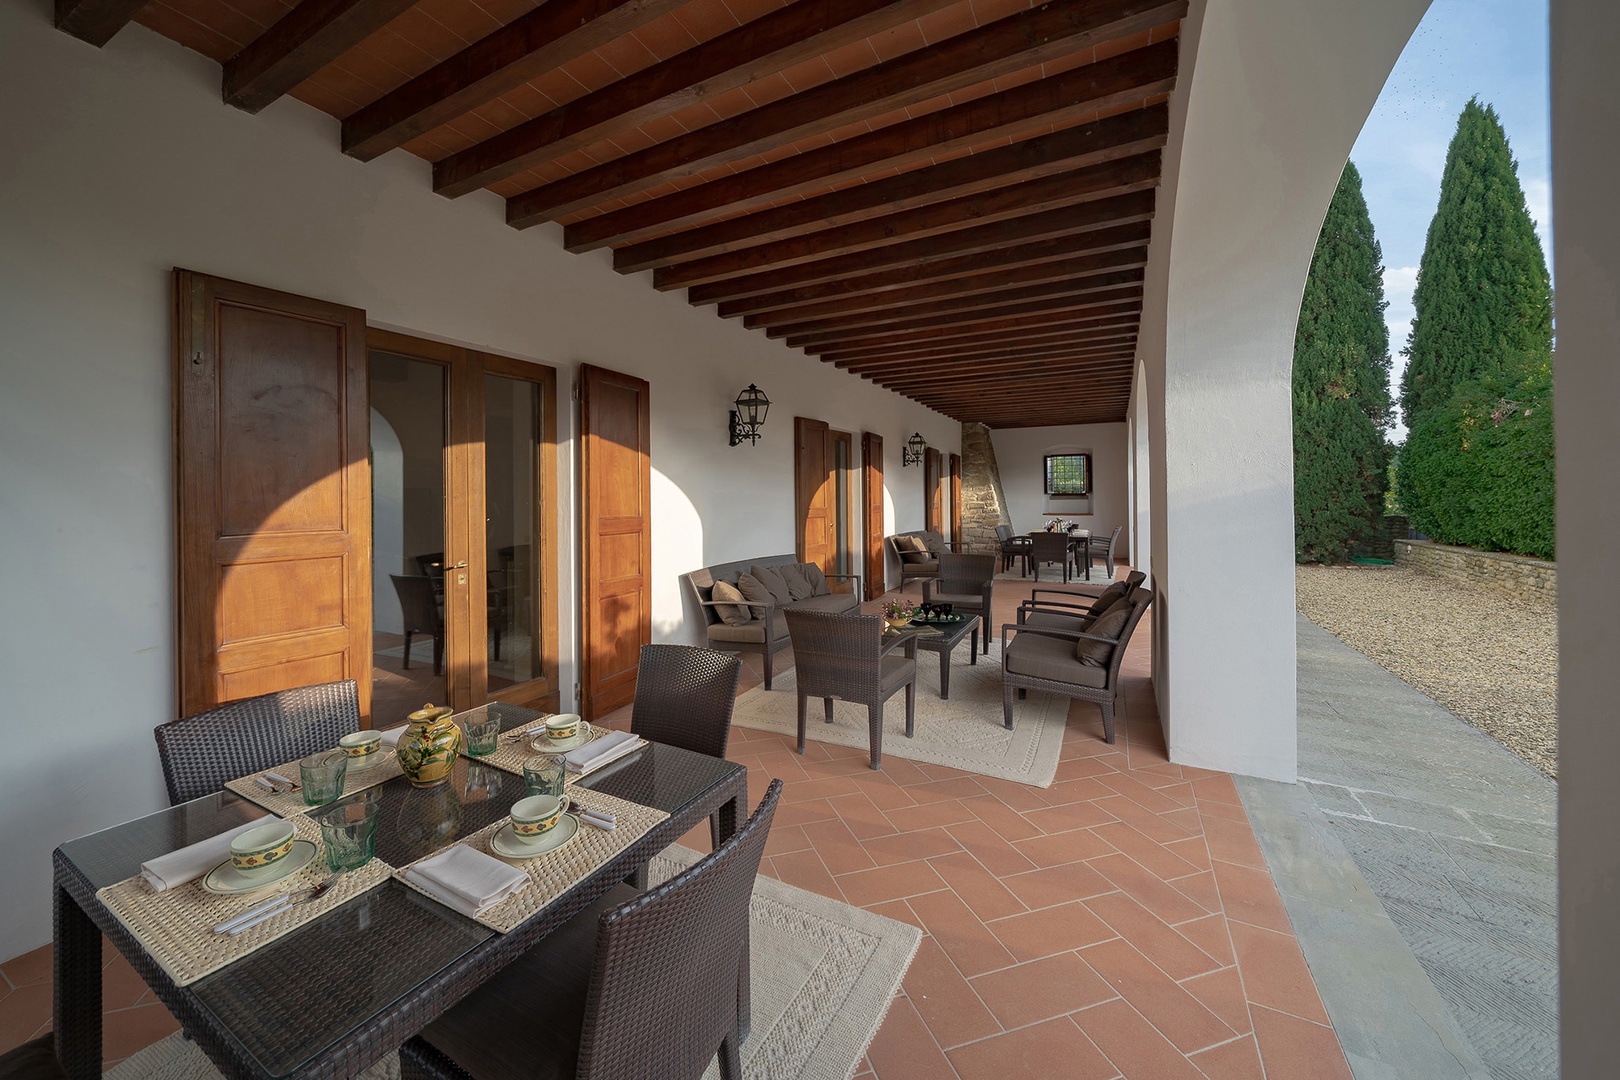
(464,515)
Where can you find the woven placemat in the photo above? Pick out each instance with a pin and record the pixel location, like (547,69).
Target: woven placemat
(555,872)
(289,803)
(176,926)
(512,753)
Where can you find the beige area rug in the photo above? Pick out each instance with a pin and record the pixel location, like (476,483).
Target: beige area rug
(964,733)
(824,974)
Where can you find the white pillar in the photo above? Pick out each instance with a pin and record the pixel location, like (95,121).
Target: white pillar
(1270,98)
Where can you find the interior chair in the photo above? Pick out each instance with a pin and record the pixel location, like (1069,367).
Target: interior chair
(33,1060)
(1080,664)
(420,606)
(846,657)
(200,752)
(495,593)
(1049,547)
(964,582)
(1074,607)
(1012,547)
(1097,547)
(637,986)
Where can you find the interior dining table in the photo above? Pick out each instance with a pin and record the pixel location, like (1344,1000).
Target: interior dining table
(340,992)
(1079,548)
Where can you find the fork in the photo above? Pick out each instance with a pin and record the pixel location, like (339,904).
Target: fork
(277,783)
(529,730)
(309,894)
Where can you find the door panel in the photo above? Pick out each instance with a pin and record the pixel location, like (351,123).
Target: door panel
(616,516)
(812,493)
(932,491)
(953,490)
(273,491)
(840,460)
(872,514)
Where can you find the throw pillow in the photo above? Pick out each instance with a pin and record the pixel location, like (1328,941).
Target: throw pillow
(731,616)
(771,578)
(1107,598)
(817,580)
(799,587)
(1099,653)
(755,590)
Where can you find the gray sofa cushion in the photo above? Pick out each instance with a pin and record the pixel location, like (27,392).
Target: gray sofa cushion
(753,631)
(1051,658)
(730,615)
(799,587)
(1109,625)
(834,603)
(771,578)
(757,591)
(818,580)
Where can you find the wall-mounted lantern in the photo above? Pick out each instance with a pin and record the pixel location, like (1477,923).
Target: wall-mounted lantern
(749,415)
(913,454)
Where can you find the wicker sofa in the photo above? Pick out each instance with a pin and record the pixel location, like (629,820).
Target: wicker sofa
(918,565)
(766,633)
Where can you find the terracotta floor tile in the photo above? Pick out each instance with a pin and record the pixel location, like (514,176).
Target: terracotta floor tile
(1187,818)
(944,999)
(1191,850)
(1210,934)
(792,811)
(896,772)
(1083,789)
(1010,824)
(1041,989)
(1233,842)
(1236,1060)
(1136,791)
(31,967)
(22,1012)
(786,838)
(960,787)
(1274,972)
(1014,796)
(1060,848)
(977,887)
(1178,1015)
(905,1050)
(932,815)
(829,787)
(907,847)
(898,910)
(1200,889)
(1157,826)
(1055,1050)
(1149,852)
(852,763)
(1216,788)
(805,870)
(127,1030)
(964,937)
(995,853)
(1135,1046)
(1222,994)
(1080,815)
(1050,930)
(1148,889)
(1057,885)
(889,883)
(838,848)
(1223,811)
(1173,954)
(120,986)
(1088,765)
(1251,896)
(1292,1047)
(863,818)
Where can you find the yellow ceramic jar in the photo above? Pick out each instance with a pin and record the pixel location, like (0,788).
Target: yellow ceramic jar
(427,749)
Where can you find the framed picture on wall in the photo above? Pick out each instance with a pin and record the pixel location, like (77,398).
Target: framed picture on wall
(1068,474)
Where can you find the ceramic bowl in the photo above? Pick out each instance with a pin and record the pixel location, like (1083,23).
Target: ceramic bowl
(535,815)
(361,746)
(562,727)
(258,849)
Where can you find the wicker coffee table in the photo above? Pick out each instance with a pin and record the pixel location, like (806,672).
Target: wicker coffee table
(942,638)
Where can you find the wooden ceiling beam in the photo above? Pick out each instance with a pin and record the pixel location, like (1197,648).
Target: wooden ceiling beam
(1105,302)
(1110,179)
(1055,337)
(299,44)
(976,382)
(1014,43)
(787,36)
(1063,152)
(1060,101)
(1008,283)
(1086,325)
(1092,357)
(1003,260)
(95,21)
(1039,395)
(545,38)
(1084,217)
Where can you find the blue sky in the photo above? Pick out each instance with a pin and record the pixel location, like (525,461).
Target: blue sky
(1495,49)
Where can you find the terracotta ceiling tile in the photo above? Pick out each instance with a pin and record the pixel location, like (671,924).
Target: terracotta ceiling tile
(323,98)
(430,147)
(626,55)
(762,91)
(898,41)
(848,59)
(1116,46)
(989,11)
(519,104)
(665,37)
(748,10)
(587,73)
(808,75)
(948,22)
(467,21)
(660,130)
(186,32)
(428,34)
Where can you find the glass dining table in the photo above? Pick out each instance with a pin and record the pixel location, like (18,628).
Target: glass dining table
(337,994)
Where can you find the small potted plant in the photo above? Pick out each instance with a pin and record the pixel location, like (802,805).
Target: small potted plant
(897,612)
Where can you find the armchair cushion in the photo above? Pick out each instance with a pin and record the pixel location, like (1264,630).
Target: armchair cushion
(750,631)
(799,587)
(1096,654)
(912,549)
(958,599)
(1110,596)
(818,580)
(833,603)
(731,616)
(771,578)
(897,669)
(1051,658)
(755,590)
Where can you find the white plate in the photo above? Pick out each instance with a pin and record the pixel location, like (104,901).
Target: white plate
(544,744)
(372,760)
(506,844)
(227,880)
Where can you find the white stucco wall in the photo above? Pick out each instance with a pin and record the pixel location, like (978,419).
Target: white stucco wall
(1019,459)
(122,163)
(1269,100)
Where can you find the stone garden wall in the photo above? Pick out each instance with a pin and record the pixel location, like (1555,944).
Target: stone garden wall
(1515,575)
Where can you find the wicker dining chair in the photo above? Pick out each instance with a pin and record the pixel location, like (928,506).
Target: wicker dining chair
(1096,546)
(965,582)
(419,607)
(846,657)
(635,987)
(1012,547)
(202,751)
(1049,547)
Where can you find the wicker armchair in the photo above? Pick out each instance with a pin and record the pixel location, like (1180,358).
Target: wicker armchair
(200,752)
(1012,547)
(1049,547)
(1096,547)
(965,583)
(1046,660)
(635,987)
(845,656)
(1073,608)
(33,1060)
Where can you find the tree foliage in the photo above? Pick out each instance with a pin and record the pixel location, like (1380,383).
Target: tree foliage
(1341,385)
(1477,393)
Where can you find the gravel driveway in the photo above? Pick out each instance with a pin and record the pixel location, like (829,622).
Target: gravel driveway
(1488,657)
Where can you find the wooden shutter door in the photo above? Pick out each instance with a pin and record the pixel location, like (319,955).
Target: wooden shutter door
(273,492)
(812,492)
(872,514)
(954,490)
(931,491)
(616,516)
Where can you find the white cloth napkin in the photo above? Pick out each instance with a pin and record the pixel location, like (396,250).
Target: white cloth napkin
(467,880)
(391,736)
(598,752)
(195,860)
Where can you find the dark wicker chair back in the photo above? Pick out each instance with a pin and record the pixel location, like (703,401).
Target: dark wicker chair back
(1106,548)
(684,697)
(1048,547)
(846,657)
(419,604)
(200,752)
(963,576)
(655,999)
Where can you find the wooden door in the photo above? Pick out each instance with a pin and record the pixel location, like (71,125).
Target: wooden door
(616,520)
(954,491)
(812,493)
(872,514)
(273,492)
(933,490)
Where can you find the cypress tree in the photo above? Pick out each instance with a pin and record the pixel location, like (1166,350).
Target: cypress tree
(1341,385)
(1480,352)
